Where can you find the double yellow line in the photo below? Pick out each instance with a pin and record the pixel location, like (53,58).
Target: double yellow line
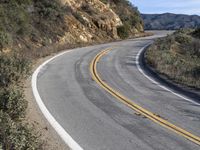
(157,119)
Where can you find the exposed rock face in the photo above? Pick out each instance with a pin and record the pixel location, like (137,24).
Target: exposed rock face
(92,20)
(97,6)
(129,15)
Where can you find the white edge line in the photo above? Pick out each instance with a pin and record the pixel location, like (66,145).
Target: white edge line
(58,128)
(159,84)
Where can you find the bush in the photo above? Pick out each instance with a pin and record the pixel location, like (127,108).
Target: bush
(194,47)
(13,68)
(196,33)
(20,2)
(164,44)
(183,38)
(5,40)
(17,136)
(49,9)
(13,103)
(123,31)
(177,57)
(12,23)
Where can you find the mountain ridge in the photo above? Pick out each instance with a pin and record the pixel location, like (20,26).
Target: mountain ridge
(170,21)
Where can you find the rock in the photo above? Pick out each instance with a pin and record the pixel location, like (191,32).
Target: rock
(101,16)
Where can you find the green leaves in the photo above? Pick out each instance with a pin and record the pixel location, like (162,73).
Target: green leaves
(49,9)
(16,135)
(13,133)
(13,67)
(183,38)
(13,103)
(196,33)
(123,31)
(5,40)
(14,17)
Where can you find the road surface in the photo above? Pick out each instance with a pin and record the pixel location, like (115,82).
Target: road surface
(96,119)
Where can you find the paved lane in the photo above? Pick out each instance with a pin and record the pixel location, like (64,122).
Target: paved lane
(98,121)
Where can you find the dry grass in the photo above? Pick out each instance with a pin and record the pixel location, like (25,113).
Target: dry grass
(177,57)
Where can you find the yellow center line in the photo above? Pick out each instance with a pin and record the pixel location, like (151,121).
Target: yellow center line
(157,119)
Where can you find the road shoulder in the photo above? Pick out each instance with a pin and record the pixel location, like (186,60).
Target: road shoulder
(34,116)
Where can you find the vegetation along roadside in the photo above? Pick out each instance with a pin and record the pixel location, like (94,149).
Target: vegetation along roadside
(177,57)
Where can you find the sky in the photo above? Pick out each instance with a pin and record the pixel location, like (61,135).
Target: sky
(191,7)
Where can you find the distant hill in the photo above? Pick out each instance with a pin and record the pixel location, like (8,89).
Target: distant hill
(169,21)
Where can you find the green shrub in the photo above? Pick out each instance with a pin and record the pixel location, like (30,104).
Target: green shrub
(184,31)
(20,2)
(49,9)
(5,40)
(104,1)
(123,31)
(13,103)
(196,33)
(17,136)
(12,23)
(183,38)
(194,48)
(177,56)
(164,44)
(13,68)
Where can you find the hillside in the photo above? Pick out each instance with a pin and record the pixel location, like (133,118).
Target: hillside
(177,57)
(129,15)
(31,29)
(170,21)
(43,22)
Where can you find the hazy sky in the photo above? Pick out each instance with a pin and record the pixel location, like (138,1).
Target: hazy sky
(174,6)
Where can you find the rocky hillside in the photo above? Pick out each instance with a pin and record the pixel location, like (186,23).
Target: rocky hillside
(129,15)
(170,21)
(37,23)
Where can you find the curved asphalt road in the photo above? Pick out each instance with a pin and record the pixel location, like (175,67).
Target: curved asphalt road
(98,121)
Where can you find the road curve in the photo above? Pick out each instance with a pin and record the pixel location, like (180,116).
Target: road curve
(95,119)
